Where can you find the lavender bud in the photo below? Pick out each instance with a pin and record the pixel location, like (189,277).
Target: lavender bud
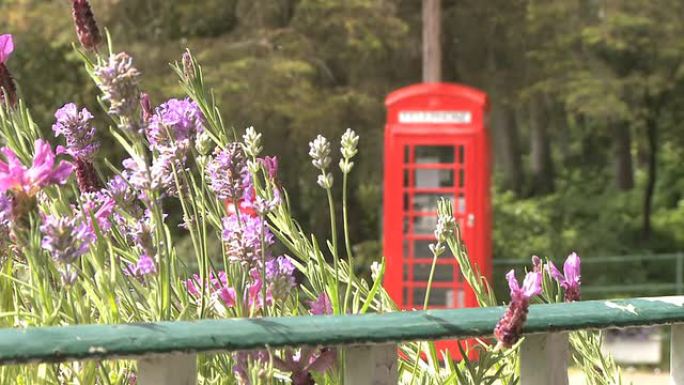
(319,150)
(227,172)
(188,65)
(86,27)
(349,144)
(146,107)
(252,141)
(325,181)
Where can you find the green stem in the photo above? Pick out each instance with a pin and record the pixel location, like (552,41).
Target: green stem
(347,241)
(333,229)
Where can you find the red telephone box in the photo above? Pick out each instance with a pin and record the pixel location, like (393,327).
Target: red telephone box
(436,145)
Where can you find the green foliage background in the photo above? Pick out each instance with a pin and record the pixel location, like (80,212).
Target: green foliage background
(296,68)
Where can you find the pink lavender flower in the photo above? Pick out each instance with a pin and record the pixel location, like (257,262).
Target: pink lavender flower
(8,90)
(242,238)
(570,279)
(6,47)
(217,288)
(270,164)
(175,123)
(16,177)
(301,363)
(98,206)
(86,27)
(321,305)
(509,328)
(227,172)
(118,80)
(66,238)
(144,267)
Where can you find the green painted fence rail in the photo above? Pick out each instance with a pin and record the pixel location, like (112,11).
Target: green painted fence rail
(50,344)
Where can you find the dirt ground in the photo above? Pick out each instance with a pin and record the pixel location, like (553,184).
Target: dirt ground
(629,377)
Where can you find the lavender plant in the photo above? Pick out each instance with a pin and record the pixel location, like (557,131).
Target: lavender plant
(83,241)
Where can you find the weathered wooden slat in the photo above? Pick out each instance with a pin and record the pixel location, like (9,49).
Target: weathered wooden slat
(544,359)
(97,341)
(371,365)
(168,369)
(677,355)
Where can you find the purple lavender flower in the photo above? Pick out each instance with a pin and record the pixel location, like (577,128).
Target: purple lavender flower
(509,328)
(321,305)
(227,172)
(280,281)
(243,360)
(99,206)
(570,279)
(242,238)
(77,130)
(14,176)
(158,177)
(65,238)
(118,80)
(175,123)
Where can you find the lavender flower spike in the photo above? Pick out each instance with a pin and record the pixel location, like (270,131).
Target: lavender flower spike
(86,27)
(75,127)
(570,279)
(509,328)
(227,172)
(118,80)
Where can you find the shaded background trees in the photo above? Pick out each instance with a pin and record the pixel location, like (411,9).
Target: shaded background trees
(585,98)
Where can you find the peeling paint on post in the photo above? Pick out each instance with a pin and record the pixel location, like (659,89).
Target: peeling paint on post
(677,355)
(371,365)
(170,369)
(544,359)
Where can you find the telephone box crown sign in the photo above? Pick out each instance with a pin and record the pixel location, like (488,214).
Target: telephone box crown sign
(437,104)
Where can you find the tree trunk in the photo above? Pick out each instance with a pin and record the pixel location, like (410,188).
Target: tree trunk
(507,156)
(432,48)
(622,153)
(540,149)
(651,168)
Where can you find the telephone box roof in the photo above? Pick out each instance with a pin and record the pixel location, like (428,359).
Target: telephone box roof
(436,89)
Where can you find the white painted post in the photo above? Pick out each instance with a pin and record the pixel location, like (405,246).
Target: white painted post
(544,359)
(371,365)
(677,355)
(168,369)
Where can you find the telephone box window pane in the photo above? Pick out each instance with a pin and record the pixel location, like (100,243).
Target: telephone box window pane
(407,182)
(428,178)
(438,296)
(443,273)
(428,202)
(434,154)
(461,178)
(407,154)
(421,249)
(460,298)
(406,201)
(461,203)
(407,252)
(424,224)
(406,295)
(461,154)
(406,273)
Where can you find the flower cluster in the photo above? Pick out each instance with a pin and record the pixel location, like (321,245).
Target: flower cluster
(8,90)
(118,80)
(174,125)
(227,172)
(319,151)
(509,328)
(22,180)
(77,130)
(279,282)
(66,238)
(79,134)
(242,237)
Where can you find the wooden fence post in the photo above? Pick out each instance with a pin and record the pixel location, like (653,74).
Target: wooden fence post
(371,365)
(168,369)
(677,355)
(544,359)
